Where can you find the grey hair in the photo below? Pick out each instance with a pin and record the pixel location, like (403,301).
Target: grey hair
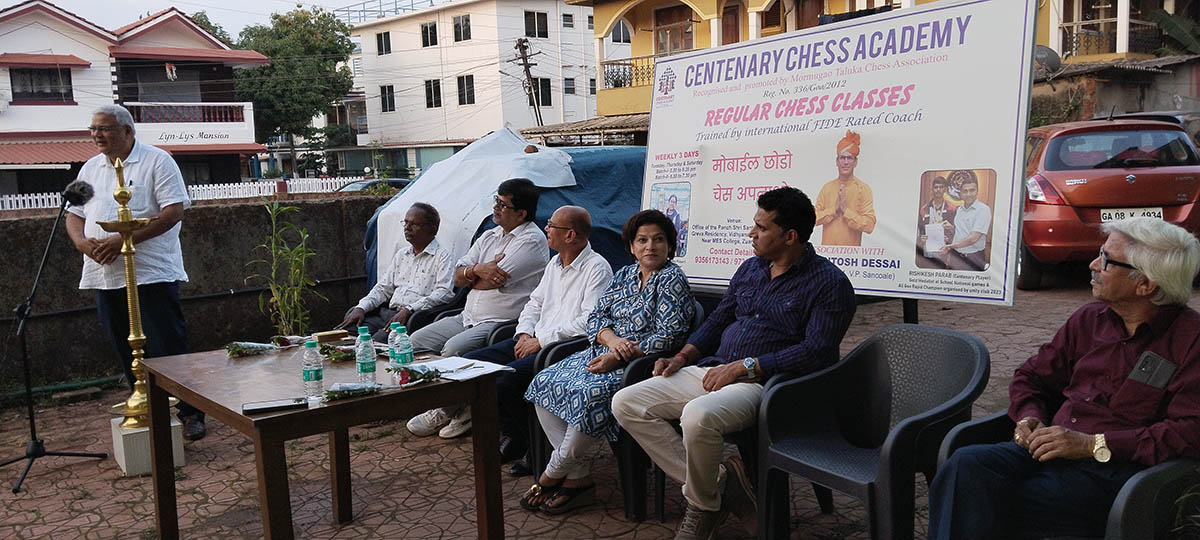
(1165,253)
(120,113)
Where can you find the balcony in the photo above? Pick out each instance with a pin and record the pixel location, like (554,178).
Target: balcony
(193,123)
(626,86)
(1099,36)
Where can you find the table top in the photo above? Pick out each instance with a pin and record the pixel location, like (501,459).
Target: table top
(220,385)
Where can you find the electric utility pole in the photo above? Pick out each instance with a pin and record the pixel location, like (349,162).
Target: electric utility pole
(531,86)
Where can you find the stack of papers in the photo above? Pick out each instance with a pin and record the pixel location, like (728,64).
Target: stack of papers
(457,368)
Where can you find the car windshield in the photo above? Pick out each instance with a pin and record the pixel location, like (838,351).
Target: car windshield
(1119,149)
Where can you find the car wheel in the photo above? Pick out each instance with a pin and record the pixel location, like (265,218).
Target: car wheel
(1029,271)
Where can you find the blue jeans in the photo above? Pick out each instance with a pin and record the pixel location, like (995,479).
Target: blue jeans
(998,491)
(510,387)
(162,324)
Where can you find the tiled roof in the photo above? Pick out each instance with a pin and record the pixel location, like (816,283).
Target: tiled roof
(1153,65)
(233,56)
(626,123)
(26,153)
(144,20)
(42,60)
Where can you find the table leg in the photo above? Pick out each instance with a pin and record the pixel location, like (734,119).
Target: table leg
(274,500)
(339,474)
(162,462)
(485,443)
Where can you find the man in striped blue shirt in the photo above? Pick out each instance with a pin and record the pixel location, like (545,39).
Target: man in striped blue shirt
(785,311)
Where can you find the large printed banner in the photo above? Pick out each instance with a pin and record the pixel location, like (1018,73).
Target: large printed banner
(906,130)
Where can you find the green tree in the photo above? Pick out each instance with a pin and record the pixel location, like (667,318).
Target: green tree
(201,18)
(305,47)
(1182,32)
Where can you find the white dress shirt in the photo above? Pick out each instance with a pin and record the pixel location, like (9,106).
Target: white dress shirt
(154,183)
(414,280)
(525,256)
(559,307)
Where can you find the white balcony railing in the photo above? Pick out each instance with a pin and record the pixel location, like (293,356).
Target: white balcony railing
(193,123)
(199,192)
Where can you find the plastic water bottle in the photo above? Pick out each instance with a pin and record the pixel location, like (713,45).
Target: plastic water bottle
(364,356)
(400,351)
(313,372)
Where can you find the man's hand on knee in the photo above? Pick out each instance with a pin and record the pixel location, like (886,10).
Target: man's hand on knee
(667,366)
(720,376)
(1024,430)
(1057,442)
(353,319)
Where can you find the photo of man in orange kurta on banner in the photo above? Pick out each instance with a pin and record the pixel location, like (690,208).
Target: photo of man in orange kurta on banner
(845,207)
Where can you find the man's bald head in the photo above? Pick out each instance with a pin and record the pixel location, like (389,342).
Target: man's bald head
(578,219)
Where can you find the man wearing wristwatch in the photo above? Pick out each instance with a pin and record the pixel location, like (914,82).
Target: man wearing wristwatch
(1115,391)
(785,311)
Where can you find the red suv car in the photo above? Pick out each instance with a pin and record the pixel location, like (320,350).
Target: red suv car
(1082,174)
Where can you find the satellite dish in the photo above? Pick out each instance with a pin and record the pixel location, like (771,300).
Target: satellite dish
(1047,58)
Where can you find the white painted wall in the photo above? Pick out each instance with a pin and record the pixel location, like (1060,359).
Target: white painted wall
(42,34)
(500,99)
(171,34)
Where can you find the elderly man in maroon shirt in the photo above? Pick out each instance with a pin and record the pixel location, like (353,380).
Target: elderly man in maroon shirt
(1115,391)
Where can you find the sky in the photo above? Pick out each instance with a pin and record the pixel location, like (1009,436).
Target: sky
(232,15)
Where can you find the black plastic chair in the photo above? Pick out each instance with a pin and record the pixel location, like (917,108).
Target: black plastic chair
(868,424)
(1144,508)
(422,317)
(503,331)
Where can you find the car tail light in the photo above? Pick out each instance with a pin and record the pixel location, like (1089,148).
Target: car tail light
(1040,190)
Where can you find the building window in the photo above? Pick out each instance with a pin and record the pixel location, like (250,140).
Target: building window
(592,86)
(569,85)
(356,62)
(428,34)
(541,90)
(620,33)
(462,28)
(45,85)
(591,22)
(383,43)
(433,94)
(568,20)
(536,24)
(773,18)
(466,90)
(387,98)
(673,30)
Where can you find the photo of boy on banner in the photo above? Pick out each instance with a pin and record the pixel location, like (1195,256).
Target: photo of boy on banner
(845,206)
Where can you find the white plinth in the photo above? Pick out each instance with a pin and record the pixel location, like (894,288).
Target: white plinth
(131,447)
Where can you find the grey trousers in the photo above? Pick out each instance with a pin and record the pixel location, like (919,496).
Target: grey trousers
(449,337)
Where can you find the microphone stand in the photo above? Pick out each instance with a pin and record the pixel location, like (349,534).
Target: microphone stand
(36,448)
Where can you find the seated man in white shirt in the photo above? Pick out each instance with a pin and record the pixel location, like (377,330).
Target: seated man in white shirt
(419,277)
(558,310)
(502,268)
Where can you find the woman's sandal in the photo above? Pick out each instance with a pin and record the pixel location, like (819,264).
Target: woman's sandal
(577,496)
(538,490)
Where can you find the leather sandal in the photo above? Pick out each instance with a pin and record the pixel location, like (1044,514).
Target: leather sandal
(577,497)
(538,490)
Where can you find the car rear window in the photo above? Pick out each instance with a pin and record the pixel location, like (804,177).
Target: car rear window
(1119,149)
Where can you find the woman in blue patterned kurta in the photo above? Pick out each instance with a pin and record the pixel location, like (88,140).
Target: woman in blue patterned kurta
(647,309)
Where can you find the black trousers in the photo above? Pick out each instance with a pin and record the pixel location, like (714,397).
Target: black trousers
(162,324)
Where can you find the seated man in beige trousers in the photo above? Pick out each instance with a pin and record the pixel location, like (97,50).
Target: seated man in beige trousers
(785,311)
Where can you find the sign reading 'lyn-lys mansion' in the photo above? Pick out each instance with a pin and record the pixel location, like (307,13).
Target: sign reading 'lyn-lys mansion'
(196,123)
(906,129)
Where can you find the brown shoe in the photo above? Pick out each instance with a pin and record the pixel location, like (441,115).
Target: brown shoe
(193,428)
(738,497)
(699,524)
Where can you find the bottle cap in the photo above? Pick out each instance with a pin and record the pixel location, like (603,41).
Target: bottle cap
(402,328)
(396,325)
(363,330)
(310,344)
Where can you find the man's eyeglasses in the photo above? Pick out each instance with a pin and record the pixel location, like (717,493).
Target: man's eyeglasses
(413,224)
(553,226)
(102,129)
(1105,261)
(500,204)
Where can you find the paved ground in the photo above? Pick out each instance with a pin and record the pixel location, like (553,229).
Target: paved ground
(422,488)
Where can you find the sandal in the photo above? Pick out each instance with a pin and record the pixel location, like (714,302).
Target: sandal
(538,490)
(577,496)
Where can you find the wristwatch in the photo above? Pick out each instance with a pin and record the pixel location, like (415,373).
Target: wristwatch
(1100,450)
(750,364)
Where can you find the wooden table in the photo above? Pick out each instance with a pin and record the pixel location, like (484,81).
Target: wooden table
(219,385)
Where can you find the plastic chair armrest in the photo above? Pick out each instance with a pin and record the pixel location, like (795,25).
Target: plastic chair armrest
(1145,506)
(997,427)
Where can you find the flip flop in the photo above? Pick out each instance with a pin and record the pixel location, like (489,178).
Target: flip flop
(537,490)
(577,497)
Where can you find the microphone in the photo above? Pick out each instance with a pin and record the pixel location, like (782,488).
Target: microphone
(78,193)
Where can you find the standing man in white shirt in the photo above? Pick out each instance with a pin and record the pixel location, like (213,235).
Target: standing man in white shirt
(502,268)
(972,220)
(557,310)
(158,192)
(420,277)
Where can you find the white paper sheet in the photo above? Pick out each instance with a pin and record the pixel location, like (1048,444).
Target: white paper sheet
(457,368)
(935,238)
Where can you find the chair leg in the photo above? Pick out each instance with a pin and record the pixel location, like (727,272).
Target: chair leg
(774,520)
(824,498)
(660,493)
(632,463)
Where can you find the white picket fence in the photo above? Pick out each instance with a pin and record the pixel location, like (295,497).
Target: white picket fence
(199,192)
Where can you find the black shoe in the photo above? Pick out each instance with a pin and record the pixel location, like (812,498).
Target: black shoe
(521,468)
(511,449)
(193,428)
